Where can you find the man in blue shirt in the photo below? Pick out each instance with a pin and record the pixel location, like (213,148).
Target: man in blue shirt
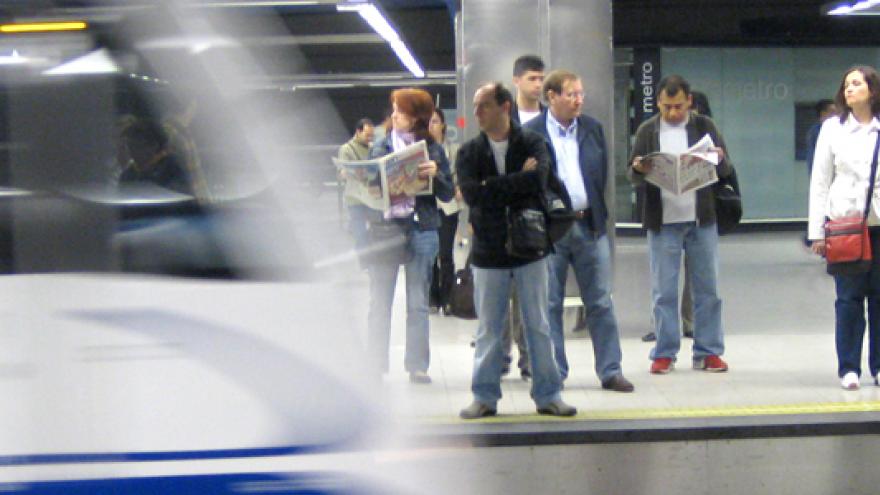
(580,159)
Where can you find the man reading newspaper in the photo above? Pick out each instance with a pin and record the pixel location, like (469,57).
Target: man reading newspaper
(681,222)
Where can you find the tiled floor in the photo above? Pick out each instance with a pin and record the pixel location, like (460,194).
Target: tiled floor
(778,321)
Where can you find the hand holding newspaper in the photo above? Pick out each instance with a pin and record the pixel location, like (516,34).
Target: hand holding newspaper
(678,174)
(384,181)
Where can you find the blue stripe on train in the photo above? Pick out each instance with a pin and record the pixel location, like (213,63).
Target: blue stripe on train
(213,484)
(183,455)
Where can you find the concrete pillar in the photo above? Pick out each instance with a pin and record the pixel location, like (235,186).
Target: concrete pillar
(569,34)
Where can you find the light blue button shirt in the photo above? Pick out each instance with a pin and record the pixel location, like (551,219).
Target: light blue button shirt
(568,165)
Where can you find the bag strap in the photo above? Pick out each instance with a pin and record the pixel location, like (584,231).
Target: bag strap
(871,180)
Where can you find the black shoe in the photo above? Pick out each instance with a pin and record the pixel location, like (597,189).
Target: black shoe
(688,333)
(557,408)
(649,337)
(419,377)
(618,383)
(477,410)
(525,374)
(505,370)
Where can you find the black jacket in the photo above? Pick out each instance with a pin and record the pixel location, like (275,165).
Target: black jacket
(593,158)
(514,112)
(489,195)
(647,141)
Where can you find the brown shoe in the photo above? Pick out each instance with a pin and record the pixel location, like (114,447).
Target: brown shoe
(618,383)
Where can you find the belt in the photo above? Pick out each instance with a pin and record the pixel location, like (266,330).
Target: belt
(581,214)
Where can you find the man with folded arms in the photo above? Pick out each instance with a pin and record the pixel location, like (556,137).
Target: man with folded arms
(501,168)
(580,159)
(679,224)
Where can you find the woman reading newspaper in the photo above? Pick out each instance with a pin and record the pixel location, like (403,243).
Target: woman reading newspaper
(414,183)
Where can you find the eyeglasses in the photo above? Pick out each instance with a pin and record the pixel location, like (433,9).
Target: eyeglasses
(574,95)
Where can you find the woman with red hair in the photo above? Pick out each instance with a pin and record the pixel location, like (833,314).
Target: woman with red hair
(417,216)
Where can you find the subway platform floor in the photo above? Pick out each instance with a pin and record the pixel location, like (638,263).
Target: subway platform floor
(778,320)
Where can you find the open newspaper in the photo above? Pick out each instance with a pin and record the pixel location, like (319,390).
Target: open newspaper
(678,174)
(383,182)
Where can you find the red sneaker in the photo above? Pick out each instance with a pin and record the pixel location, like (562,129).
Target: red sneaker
(711,363)
(661,366)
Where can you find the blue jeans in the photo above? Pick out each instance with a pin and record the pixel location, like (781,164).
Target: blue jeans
(589,255)
(383,281)
(666,247)
(357,224)
(491,296)
(852,291)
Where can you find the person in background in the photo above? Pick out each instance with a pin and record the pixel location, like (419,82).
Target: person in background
(151,160)
(839,185)
(444,266)
(182,144)
(412,110)
(355,149)
(824,109)
(684,224)
(528,76)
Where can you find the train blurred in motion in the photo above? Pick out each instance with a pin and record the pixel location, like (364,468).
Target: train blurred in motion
(173,318)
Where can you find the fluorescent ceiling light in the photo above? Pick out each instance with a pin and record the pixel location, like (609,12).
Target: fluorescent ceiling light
(13,59)
(380,24)
(96,62)
(42,27)
(262,3)
(194,44)
(862,7)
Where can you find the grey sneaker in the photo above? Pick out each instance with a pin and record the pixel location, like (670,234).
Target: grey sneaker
(477,410)
(419,377)
(557,408)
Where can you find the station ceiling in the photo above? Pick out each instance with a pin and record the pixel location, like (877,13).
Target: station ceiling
(337,45)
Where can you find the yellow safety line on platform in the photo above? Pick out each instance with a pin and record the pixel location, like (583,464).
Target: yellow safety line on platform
(689,412)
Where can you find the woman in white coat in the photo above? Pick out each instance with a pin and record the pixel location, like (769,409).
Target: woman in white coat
(838,188)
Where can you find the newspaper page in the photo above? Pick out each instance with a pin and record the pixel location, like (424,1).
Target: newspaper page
(693,169)
(363,182)
(381,182)
(401,170)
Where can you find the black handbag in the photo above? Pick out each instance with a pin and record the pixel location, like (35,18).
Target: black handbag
(560,215)
(388,242)
(461,294)
(728,203)
(527,235)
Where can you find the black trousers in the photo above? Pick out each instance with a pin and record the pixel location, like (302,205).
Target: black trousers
(444,265)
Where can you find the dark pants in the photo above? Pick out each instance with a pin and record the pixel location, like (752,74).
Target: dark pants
(444,265)
(513,330)
(852,291)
